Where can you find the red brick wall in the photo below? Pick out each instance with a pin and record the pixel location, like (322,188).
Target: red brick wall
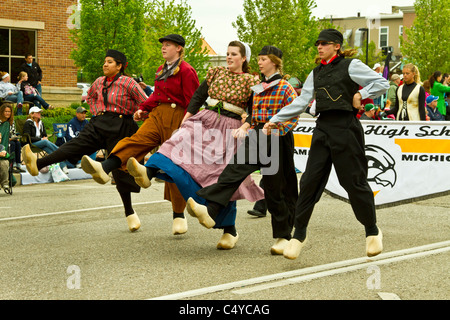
(53,43)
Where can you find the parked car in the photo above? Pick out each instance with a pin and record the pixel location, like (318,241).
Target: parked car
(85,87)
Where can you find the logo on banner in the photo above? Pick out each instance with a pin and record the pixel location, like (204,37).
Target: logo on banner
(381,166)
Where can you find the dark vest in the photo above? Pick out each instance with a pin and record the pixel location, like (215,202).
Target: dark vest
(333,87)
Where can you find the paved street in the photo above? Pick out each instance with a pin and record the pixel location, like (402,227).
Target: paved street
(70,241)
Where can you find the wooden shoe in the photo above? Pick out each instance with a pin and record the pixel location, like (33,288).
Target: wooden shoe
(200,212)
(29,158)
(279,246)
(374,244)
(139,172)
(293,248)
(95,169)
(179,226)
(227,241)
(133,222)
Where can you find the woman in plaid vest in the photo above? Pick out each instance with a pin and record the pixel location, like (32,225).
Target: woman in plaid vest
(280,179)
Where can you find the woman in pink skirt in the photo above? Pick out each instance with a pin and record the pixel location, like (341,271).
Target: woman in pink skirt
(198,152)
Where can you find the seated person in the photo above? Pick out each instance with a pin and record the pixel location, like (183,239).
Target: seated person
(4,167)
(10,92)
(36,129)
(76,124)
(30,93)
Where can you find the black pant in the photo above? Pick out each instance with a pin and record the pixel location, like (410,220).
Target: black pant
(338,139)
(280,202)
(102,132)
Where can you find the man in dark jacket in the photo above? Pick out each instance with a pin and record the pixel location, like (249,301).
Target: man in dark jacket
(34,72)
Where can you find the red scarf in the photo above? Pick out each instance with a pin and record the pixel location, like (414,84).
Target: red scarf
(325,62)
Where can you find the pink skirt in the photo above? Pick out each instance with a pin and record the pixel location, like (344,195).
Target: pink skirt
(203,146)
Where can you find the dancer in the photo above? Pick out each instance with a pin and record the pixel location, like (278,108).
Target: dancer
(272,94)
(199,151)
(113,99)
(175,83)
(338,138)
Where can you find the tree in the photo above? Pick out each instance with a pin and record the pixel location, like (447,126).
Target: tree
(112,24)
(286,24)
(426,42)
(166,17)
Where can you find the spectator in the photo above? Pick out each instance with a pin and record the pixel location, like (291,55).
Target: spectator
(432,109)
(76,124)
(410,103)
(377,69)
(34,72)
(10,92)
(6,115)
(439,89)
(30,93)
(369,113)
(4,163)
(391,94)
(36,129)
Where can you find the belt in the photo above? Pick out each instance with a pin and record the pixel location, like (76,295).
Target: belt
(172,105)
(225,105)
(102,113)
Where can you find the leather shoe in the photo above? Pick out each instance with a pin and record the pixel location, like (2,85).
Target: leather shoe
(133,222)
(95,169)
(179,226)
(374,244)
(139,172)
(227,241)
(293,248)
(279,246)
(200,212)
(256,213)
(30,160)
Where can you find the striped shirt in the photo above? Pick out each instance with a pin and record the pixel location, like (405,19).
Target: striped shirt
(268,100)
(124,96)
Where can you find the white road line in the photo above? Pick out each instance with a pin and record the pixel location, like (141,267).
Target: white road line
(324,270)
(388,296)
(332,272)
(76,210)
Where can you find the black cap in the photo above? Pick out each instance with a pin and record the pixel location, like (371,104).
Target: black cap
(266,50)
(117,55)
(174,38)
(331,35)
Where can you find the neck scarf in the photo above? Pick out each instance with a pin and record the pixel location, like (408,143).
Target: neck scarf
(168,71)
(106,88)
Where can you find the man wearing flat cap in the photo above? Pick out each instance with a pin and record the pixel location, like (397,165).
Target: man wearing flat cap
(338,138)
(175,84)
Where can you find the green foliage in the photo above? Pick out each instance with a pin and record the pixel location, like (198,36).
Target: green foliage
(166,17)
(134,27)
(117,24)
(427,39)
(286,24)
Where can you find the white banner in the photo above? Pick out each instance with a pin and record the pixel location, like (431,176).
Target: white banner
(406,159)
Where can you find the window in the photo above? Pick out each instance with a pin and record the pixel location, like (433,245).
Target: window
(14,44)
(384,37)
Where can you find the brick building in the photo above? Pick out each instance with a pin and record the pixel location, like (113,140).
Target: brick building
(40,27)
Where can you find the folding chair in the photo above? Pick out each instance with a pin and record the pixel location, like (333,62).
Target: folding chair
(26,139)
(59,130)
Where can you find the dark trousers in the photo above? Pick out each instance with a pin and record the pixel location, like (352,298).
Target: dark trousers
(280,203)
(102,132)
(339,140)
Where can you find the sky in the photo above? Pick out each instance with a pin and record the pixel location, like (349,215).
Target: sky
(214,17)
